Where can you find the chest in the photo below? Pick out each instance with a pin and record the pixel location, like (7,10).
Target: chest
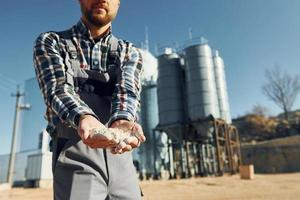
(94,56)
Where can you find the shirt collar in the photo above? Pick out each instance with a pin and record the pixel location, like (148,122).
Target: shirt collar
(82,29)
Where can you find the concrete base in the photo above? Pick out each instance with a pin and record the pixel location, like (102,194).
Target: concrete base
(45,183)
(39,183)
(165,175)
(247,172)
(4,186)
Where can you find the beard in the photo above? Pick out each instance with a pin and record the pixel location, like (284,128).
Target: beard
(97,19)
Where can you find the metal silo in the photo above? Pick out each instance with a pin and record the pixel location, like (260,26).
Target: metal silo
(200,82)
(149,119)
(149,66)
(170,94)
(221,88)
(171,104)
(149,108)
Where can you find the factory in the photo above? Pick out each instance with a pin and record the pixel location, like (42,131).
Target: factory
(184,113)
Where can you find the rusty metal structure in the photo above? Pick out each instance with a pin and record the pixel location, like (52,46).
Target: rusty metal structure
(227,147)
(214,155)
(199,155)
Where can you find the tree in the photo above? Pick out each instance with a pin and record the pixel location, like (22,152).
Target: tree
(281,88)
(260,110)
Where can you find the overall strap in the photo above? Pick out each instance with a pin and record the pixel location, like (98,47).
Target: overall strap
(114,43)
(72,61)
(113,54)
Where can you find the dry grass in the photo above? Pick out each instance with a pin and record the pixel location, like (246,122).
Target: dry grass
(263,187)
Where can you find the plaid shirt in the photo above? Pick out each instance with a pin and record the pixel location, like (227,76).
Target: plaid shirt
(63,103)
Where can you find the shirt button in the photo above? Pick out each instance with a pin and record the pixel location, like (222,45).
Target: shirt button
(96,62)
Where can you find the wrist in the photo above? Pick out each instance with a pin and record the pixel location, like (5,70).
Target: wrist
(119,122)
(79,118)
(83,116)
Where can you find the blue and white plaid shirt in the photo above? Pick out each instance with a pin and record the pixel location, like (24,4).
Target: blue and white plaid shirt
(63,103)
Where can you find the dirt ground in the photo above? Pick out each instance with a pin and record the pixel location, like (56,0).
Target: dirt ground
(263,187)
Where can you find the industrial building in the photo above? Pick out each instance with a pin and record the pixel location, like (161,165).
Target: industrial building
(193,113)
(184,113)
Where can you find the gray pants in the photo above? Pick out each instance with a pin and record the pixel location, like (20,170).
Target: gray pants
(83,173)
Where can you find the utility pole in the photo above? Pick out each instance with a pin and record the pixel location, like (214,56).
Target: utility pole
(12,157)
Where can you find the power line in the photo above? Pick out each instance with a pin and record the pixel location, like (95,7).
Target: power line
(12,81)
(8,84)
(5,88)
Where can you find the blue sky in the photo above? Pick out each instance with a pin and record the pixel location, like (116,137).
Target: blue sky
(252,35)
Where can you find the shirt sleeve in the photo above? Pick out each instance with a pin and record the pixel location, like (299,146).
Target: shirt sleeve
(126,98)
(59,96)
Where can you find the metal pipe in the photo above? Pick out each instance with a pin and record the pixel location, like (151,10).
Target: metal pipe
(154,154)
(200,171)
(182,164)
(188,170)
(171,159)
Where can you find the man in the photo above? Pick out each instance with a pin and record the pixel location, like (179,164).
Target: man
(90,80)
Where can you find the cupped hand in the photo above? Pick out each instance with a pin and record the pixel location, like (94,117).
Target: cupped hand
(133,135)
(87,125)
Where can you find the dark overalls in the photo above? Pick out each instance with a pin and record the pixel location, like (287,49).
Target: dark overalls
(80,172)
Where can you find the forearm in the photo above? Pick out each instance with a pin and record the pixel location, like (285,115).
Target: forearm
(59,96)
(126,99)
(68,105)
(125,109)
